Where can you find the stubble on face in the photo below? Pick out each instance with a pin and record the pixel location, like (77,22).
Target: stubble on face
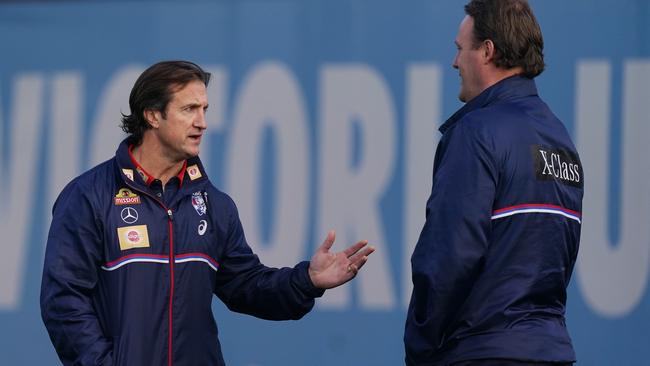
(185,122)
(467,61)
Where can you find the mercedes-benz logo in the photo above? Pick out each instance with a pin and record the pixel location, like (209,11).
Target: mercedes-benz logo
(129,215)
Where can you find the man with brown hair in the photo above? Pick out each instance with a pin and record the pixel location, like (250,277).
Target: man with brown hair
(500,241)
(139,244)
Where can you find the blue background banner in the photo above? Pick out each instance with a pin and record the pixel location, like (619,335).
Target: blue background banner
(323,115)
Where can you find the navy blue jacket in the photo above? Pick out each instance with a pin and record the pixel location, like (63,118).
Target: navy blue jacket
(500,241)
(129,275)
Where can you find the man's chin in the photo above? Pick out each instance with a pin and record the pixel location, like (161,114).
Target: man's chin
(191,153)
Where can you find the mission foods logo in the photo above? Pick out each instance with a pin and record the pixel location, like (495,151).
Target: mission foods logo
(557,164)
(125,197)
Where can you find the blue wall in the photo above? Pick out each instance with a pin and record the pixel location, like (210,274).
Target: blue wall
(323,115)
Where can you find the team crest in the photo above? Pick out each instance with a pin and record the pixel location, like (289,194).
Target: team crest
(199,203)
(125,197)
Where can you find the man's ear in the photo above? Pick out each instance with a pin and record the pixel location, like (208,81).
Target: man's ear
(152,117)
(488,50)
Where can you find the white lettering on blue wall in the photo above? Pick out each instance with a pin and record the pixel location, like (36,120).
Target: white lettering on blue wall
(613,279)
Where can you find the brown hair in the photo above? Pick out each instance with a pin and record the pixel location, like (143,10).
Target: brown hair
(153,90)
(512,27)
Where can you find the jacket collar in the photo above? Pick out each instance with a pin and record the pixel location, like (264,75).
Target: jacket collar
(133,173)
(148,178)
(511,87)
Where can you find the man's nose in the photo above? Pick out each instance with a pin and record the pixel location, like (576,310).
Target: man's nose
(200,121)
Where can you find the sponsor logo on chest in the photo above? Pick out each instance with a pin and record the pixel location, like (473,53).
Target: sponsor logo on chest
(131,237)
(203,226)
(125,197)
(129,215)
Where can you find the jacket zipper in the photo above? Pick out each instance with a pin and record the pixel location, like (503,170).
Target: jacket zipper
(171,285)
(170,217)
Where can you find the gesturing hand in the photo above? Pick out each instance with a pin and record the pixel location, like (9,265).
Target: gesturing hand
(329,270)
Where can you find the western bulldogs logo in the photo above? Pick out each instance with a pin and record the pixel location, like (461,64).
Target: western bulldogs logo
(199,203)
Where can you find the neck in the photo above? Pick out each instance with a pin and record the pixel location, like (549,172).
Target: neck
(150,156)
(498,74)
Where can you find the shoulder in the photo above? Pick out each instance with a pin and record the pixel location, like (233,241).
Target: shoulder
(493,117)
(90,186)
(509,120)
(480,126)
(220,200)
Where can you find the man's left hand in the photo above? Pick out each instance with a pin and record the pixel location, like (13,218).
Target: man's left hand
(328,270)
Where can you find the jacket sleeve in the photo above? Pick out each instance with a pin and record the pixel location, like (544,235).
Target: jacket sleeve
(247,286)
(69,278)
(449,253)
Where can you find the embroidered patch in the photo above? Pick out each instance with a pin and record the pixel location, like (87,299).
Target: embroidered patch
(143,175)
(133,237)
(128,173)
(125,197)
(203,225)
(194,172)
(129,215)
(557,164)
(199,203)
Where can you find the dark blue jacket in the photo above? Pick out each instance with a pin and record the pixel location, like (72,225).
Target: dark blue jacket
(129,276)
(500,241)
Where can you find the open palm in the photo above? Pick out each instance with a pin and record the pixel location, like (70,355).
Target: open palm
(329,270)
